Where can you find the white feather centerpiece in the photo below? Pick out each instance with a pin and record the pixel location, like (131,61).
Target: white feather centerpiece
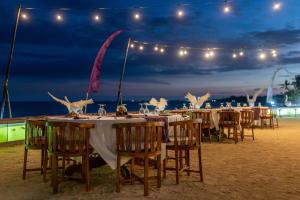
(197,102)
(251,101)
(159,105)
(73,107)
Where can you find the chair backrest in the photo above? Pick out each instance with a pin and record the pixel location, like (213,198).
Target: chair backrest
(202,114)
(265,112)
(35,134)
(229,118)
(69,138)
(142,137)
(247,117)
(185,133)
(180,112)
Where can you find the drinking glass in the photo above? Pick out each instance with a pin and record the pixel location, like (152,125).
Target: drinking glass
(142,110)
(184,106)
(222,105)
(146,111)
(101,110)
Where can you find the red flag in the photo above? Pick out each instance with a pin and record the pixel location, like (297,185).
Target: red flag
(94,84)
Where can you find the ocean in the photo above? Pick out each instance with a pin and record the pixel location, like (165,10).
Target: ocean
(22,109)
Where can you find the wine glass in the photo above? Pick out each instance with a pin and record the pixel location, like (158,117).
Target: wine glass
(142,110)
(101,110)
(222,105)
(146,110)
(184,106)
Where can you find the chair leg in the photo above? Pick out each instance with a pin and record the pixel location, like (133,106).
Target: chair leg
(188,161)
(45,164)
(252,132)
(118,184)
(180,158)
(42,160)
(132,171)
(236,139)
(54,174)
(242,133)
(87,173)
(25,163)
(159,171)
(146,174)
(209,135)
(177,166)
(200,164)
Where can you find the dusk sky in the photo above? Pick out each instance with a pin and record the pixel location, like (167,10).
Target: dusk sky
(58,56)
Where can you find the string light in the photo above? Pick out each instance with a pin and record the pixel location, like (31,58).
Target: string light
(226,9)
(274,53)
(162,50)
(24,16)
(141,47)
(59,17)
(209,54)
(137,16)
(241,53)
(180,13)
(234,55)
(276,6)
(132,45)
(156,48)
(97,18)
(262,56)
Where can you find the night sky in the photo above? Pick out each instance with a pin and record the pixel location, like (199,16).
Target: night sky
(58,56)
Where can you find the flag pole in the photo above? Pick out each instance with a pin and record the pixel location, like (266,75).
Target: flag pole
(120,99)
(5,96)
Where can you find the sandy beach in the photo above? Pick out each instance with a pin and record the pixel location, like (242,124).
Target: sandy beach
(267,168)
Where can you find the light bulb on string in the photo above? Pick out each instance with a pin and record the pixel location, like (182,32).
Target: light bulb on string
(97,18)
(162,50)
(262,56)
(141,47)
(136,16)
(185,52)
(156,48)
(226,9)
(59,17)
(132,45)
(212,53)
(180,13)
(277,6)
(24,16)
(234,55)
(241,53)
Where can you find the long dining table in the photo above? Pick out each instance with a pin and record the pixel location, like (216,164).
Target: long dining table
(103,136)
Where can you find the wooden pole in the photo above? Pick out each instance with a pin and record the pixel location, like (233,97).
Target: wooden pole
(120,99)
(5,96)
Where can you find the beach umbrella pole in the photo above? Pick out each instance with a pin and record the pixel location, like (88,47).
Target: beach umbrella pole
(5,96)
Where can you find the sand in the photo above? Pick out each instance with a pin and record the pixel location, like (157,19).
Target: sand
(267,168)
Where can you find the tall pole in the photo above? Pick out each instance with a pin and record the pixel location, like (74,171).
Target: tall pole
(120,100)
(5,96)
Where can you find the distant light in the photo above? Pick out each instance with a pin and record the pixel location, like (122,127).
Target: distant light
(274,51)
(136,16)
(262,56)
(97,18)
(226,9)
(181,53)
(180,13)
(132,46)
(277,6)
(206,55)
(234,55)
(141,47)
(274,55)
(185,52)
(241,53)
(156,48)
(24,16)
(272,103)
(59,17)
(162,50)
(212,53)
(209,54)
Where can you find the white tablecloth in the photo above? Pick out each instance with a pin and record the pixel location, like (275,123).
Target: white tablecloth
(103,136)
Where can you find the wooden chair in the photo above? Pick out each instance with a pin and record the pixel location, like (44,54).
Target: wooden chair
(229,119)
(247,121)
(35,139)
(139,140)
(206,120)
(266,114)
(186,137)
(66,140)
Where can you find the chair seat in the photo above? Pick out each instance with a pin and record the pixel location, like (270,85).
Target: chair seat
(180,140)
